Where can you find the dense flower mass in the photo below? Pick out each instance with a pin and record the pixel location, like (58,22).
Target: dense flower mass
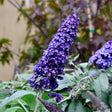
(103,56)
(52,63)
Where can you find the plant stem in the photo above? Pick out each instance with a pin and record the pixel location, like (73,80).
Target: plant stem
(67,98)
(22,11)
(37,104)
(22,105)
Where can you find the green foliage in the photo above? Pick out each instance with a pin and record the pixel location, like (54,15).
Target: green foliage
(16,95)
(66,82)
(1,2)
(30,100)
(76,106)
(15,109)
(5,53)
(81,78)
(110,100)
(23,77)
(101,86)
(3,93)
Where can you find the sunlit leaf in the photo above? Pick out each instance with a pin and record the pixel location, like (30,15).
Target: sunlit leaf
(100,86)
(66,82)
(14,96)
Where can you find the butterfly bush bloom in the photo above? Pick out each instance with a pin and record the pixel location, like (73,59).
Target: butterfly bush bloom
(103,56)
(52,63)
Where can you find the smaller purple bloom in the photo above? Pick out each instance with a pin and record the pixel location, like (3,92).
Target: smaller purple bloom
(110,81)
(75,88)
(12,92)
(103,57)
(110,92)
(58,96)
(73,97)
(7,88)
(68,89)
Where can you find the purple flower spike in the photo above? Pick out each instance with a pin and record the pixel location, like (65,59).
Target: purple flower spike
(103,56)
(52,63)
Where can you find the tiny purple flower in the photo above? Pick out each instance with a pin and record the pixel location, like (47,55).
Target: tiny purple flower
(58,96)
(68,89)
(73,97)
(110,81)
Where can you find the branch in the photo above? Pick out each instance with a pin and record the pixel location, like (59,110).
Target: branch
(12,51)
(91,29)
(21,10)
(96,18)
(80,52)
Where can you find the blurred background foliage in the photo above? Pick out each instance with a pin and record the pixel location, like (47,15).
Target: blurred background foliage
(44,17)
(5,53)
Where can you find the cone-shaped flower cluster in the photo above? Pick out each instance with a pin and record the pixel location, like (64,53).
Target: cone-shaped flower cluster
(103,56)
(52,63)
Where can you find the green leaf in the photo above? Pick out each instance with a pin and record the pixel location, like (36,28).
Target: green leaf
(76,106)
(1,2)
(11,83)
(65,104)
(101,85)
(85,95)
(66,82)
(74,59)
(30,66)
(16,95)
(31,70)
(109,69)
(52,100)
(92,71)
(23,76)
(68,70)
(45,95)
(25,83)
(15,109)
(110,100)
(30,99)
(83,65)
(3,93)
(4,41)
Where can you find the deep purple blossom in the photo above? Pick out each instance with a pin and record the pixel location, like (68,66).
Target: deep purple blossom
(73,97)
(110,92)
(103,57)
(58,96)
(7,88)
(51,65)
(110,81)
(68,89)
